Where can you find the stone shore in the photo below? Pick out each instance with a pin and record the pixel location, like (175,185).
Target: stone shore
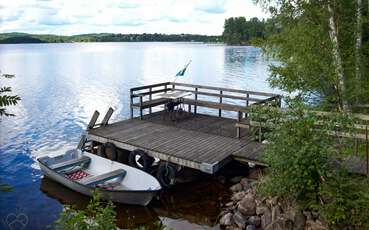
(248,210)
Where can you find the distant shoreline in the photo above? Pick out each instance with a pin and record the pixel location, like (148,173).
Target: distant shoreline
(24,38)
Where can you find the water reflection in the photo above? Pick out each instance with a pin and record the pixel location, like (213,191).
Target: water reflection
(183,206)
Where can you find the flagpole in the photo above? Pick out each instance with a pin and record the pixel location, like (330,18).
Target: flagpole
(183,71)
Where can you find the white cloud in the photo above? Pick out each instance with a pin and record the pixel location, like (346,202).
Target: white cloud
(122,16)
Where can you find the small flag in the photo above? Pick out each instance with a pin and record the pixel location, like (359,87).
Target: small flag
(182,71)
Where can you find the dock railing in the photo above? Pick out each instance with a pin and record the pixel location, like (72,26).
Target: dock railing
(219,98)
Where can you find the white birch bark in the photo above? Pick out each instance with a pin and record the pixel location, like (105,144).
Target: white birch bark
(343,105)
(358,48)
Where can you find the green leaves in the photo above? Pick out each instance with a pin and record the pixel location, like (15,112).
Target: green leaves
(6,99)
(97,216)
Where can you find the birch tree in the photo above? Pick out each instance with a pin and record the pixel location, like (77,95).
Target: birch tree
(358,48)
(343,105)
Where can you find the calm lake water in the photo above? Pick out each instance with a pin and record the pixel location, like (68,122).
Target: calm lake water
(62,84)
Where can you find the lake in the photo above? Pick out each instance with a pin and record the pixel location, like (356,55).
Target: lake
(62,84)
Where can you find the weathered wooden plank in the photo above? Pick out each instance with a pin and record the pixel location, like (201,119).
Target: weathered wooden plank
(221,88)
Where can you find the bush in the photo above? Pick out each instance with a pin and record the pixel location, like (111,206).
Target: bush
(304,165)
(97,216)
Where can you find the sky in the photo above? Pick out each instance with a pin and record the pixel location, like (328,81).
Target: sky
(68,17)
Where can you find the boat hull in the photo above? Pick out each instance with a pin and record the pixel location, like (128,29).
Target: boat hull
(127,197)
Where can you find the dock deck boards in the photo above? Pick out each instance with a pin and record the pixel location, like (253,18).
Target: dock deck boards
(198,141)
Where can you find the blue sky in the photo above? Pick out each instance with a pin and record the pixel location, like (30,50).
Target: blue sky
(67,17)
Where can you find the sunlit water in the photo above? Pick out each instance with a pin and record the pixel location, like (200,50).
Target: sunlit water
(62,84)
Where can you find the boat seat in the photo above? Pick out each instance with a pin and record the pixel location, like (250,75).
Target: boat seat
(70,163)
(91,181)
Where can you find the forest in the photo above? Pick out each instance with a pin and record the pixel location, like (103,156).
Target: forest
(13,38)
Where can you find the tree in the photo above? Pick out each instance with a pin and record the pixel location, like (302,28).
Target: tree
(316,47)
(6,99)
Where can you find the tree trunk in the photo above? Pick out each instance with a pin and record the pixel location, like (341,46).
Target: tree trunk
(358,47)
(342,102)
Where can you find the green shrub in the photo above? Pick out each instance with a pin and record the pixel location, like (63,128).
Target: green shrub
(97,216)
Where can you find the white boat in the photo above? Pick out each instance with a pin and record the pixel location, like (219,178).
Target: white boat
(84,172)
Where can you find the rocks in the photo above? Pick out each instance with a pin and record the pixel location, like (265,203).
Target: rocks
(248,210)
(247,205)
(250,227)
(254,220)
(238,196)
(266,218)
(245,184)
(236,188)
(226,219)
(239,220)
(260,210)
(236,179)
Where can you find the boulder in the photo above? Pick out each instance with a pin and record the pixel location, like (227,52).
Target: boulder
(250,227)
(226,219)
(245,184)
(236,179)
(315,225)
(296,216)
(236,188)
(260,210)
(254,220)
(229,204)
(308,215)
(238,196)
(239,220)
(247,205)
(266,219)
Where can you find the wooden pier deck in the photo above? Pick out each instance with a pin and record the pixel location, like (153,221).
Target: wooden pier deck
(196,141)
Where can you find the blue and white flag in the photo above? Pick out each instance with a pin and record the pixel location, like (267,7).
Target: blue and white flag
(182,71)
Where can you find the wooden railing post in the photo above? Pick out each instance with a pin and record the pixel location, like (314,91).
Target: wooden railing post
(131,103)
(239,117)
(247,103)
(150,98)
(141,110)
(220,101)
(195,106)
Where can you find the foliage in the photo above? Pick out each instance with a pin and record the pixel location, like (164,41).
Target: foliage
(96,216)
(9,38)
(239,31)
(304,159)
(6,99)
(346,201)
(304,48)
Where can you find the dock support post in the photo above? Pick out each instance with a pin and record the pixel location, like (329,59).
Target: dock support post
(195,106)
(220,101)
(131,103)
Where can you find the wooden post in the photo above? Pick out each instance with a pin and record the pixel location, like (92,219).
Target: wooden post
(141,110)
(247,103)
(150,98)
(238,128)
(220,101)
(131,101)
(195,106)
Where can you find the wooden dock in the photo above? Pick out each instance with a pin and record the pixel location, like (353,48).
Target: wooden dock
(198,141)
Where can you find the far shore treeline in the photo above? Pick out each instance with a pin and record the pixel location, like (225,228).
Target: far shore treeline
(237,31)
